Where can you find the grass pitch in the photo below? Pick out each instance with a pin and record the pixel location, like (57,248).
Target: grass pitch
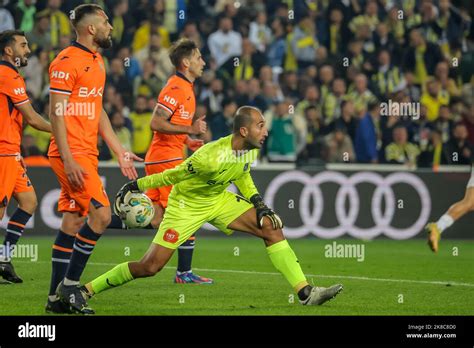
(395,278)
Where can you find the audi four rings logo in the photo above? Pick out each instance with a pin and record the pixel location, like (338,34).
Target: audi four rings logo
(346,220)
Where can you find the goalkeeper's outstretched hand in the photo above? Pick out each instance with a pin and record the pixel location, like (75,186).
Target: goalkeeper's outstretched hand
(129,187)
(263,210)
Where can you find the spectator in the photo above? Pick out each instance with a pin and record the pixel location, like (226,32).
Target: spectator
(434,154)
(132,67)
(260,34)
(140,117)
(225,43)
(369,18)
(339,146)
(6,19)
(214,97)
(254,96)
(40,37)
(338,33)
(155,51)
(148,84)
(388,78)
(366,138)
(123,133)
(117,78)
(468,121)
(412,90)
(448,87)
(191,32)
(421,57)
(331,108)
(444,123)
(284,138)
(304,42)
(401,151)
(59,22)
(35,73)
(142,36)
(221,124)
(249,63)
(311,98)
(347,120)
(123,24)
(313,142)
(25,11)
(432,99)
(326,76)
(458,149)
(361,95)
(277,48)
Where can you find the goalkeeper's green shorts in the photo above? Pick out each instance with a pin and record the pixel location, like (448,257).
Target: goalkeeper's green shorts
(184,216)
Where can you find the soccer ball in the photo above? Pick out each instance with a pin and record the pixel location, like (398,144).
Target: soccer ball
(137,210)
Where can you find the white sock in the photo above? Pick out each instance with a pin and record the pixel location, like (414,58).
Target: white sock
(69,282)
(444,222)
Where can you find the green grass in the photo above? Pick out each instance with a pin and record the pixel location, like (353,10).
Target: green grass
(261,291)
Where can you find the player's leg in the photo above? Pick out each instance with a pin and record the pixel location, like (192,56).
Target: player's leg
(159,196)
(173,231)
(93,202)
(85,241)
(60,257)
(25,195)
(239,215)
(151,263)
(455,212)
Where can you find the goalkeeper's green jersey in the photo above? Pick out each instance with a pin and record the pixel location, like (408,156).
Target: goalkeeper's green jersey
(208,172)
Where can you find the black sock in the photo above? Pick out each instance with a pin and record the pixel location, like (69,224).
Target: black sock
(62,250)
(185,254)
(84,244)
(116,223)
(15,229)
(304,293)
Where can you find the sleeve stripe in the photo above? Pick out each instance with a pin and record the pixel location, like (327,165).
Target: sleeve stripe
(59,91)
(22,102)
(165,107)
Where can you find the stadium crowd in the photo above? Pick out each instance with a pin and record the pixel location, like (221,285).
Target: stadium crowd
(321,71)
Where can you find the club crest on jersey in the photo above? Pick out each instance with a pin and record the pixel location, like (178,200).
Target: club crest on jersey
(246,166)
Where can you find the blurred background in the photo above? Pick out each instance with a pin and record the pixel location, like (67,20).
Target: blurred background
(317,69)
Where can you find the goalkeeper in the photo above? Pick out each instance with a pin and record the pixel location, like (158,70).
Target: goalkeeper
(199,195)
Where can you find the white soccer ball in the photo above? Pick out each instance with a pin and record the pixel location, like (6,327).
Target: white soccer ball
(137,210)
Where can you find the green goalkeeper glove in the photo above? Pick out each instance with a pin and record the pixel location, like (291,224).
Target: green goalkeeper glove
(263,210)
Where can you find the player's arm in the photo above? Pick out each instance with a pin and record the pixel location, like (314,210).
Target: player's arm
(125,157)
(160,122)
(74,172)
(33,118)
(190,168)
(247,188)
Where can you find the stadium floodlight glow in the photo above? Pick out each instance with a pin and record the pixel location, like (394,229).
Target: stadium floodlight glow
(346,220)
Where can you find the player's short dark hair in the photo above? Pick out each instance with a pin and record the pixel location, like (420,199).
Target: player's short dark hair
(243,117)
(181,49)
(7,37)
(82,11)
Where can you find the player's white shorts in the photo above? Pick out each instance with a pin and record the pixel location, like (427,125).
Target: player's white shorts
(471,180)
